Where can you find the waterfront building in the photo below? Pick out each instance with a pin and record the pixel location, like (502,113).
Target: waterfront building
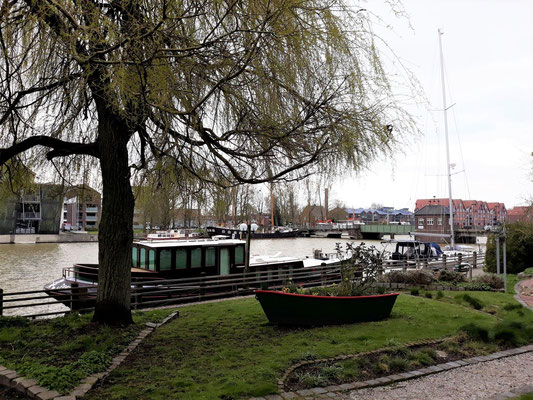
(433,218)
(35,209)
(82,208)
(469,214)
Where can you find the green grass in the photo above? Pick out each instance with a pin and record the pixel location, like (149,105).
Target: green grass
(512,280)
(528,396)
(60,352)
(528,271)
(227,350)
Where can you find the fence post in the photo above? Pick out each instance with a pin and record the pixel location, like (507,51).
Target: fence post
(73,294)
(1,301)
(137,298)
(202,286)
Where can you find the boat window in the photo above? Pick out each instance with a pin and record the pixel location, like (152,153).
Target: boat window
(151,260)
(210,257)
(143,258)
(181,259)
(134,256)
(165,260)
(239,255)
(196,258)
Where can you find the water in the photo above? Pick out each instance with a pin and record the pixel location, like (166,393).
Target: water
(25,267)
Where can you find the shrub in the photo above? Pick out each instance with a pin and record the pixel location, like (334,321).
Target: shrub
(398,364)
(417,277)
(450,276)
(475,286)
(439,295)
(415,292)
(13,322)
(428,295)
(511,307)
(493,280)
(310,380)
(475,303)
(476,332)
(519,248)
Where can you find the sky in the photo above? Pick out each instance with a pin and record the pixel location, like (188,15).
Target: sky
(488,56)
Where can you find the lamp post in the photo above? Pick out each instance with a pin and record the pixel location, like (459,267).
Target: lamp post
(248,228)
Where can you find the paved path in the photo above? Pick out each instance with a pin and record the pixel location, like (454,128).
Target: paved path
(491,379)
(525,289)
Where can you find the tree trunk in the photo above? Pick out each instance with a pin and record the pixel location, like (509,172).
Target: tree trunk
(116,227)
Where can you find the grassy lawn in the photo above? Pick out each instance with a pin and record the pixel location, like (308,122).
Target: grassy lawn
(60,352)
(227,350)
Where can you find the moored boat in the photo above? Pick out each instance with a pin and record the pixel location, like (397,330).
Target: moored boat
(277,233)
(154,260)
(308,310)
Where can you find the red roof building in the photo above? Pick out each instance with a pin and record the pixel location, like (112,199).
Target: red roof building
(522,213)
(469,213)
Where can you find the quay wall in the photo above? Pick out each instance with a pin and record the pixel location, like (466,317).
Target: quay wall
(43,238)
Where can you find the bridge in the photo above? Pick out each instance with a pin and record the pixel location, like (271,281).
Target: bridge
(356,231)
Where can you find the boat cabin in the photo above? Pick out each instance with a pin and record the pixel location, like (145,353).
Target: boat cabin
(188,258)
(416,250)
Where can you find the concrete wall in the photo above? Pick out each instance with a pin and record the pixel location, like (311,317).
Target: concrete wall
(60,238)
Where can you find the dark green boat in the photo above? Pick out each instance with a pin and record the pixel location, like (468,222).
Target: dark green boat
(306,310)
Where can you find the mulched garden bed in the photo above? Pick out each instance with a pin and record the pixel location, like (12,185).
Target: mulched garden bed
(386,362)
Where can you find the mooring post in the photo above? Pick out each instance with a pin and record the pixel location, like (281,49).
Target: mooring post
(426,264)
(444,261)
(1,301)
(460,256)
(474,260)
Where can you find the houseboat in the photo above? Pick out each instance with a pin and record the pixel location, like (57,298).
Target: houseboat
(154,260)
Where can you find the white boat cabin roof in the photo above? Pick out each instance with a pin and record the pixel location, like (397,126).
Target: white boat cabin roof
(188,243)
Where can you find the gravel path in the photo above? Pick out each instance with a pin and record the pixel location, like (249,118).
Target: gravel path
(479,381)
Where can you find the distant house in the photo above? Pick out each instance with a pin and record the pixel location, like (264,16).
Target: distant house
(520,213)
(339,214)
(312,214)
(469,213)
(82,208)
(433,219)
(380,215)
(498,213)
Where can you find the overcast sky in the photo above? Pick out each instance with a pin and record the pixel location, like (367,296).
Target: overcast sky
(488,53)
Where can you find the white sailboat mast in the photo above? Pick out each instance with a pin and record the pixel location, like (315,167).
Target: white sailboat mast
(446,135)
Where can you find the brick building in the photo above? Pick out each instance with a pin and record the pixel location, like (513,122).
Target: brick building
(469,213)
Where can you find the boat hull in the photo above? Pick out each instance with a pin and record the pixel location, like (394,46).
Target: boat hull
(305,310)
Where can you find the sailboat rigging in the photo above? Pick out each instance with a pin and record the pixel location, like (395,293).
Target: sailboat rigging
(448,165)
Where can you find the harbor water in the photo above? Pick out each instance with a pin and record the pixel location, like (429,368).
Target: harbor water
(25,267)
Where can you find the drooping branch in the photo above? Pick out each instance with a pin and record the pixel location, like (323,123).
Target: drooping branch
(59,148)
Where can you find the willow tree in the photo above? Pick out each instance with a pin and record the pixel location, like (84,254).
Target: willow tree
(236,91)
